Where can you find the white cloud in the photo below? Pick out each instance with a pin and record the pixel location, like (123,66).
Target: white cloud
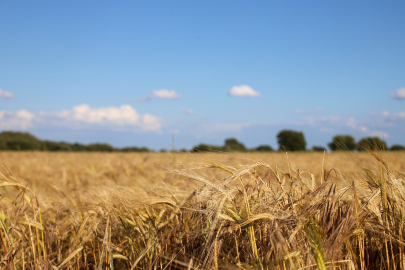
(328,121)
(15,120)
(120,118)
(162,93)
(6,95)
(166,94)
(189,111)
(243,91)
(150,123)
(362,127)
(399,93)
(387,118)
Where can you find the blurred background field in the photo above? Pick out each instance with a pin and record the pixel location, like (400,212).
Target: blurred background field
(52,176)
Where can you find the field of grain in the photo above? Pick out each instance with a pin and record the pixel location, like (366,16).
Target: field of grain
(202,211)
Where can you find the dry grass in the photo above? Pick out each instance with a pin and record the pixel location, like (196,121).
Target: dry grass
(202,211)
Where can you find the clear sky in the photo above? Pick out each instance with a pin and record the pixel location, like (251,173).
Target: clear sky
(136,72)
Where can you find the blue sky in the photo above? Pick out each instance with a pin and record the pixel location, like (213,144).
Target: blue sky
(134,73)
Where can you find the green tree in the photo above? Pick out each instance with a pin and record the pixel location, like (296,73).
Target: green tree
(372,143)
(264,148)
(342,142)
(232,144)
(318,148)
(290,140)
(206,148)
(135,149)
(77,147)
(56,146)
(397,147)
(10,140)
(100,147)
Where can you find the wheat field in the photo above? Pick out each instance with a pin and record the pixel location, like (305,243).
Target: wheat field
(202,210)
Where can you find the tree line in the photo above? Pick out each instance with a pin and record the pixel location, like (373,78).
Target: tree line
(288,140)
(17,141)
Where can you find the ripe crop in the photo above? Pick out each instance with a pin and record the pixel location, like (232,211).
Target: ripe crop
(202,210)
